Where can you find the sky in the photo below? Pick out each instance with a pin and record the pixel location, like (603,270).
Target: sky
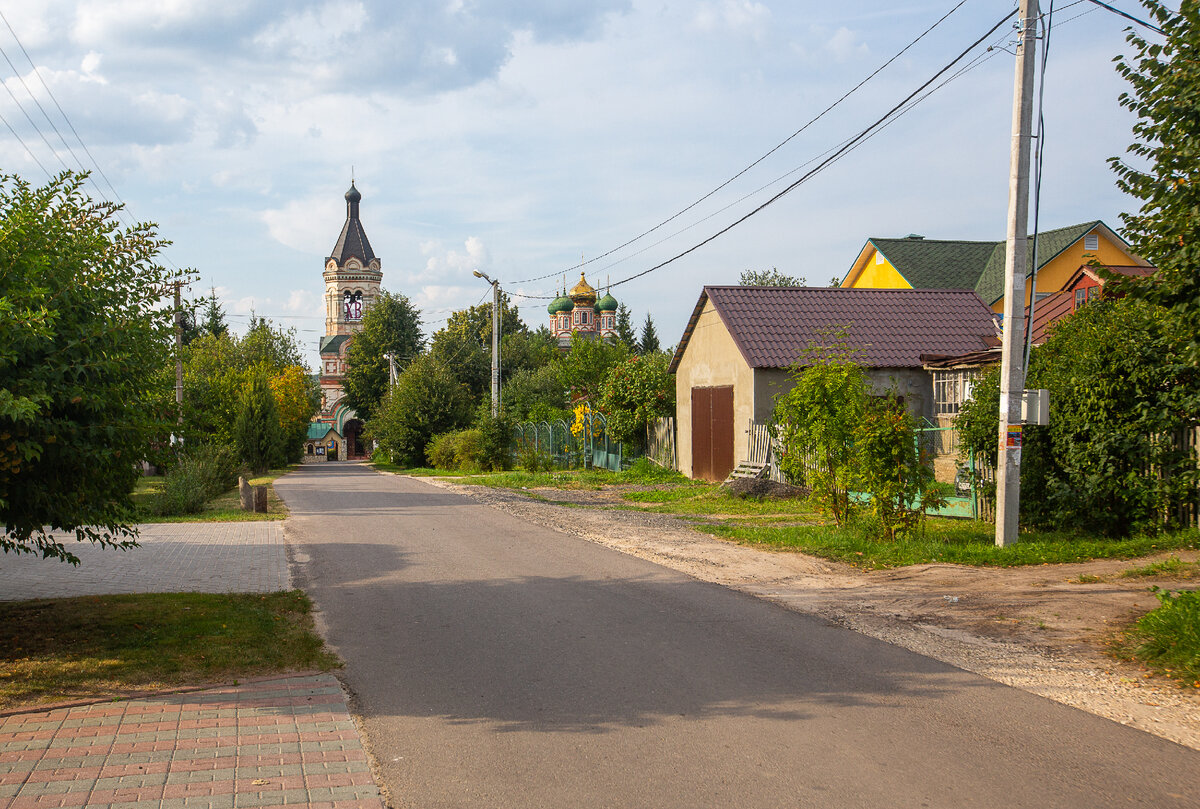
(523,137)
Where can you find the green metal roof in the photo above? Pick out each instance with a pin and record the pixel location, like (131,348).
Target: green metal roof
(1051,243)
(317,430)
(937,264)
(332,343)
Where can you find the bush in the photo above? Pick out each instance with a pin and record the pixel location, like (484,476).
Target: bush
(461,450)
(440,451)
(495,447)
(426,400)
(1169,637)
(199,475)
(532,459)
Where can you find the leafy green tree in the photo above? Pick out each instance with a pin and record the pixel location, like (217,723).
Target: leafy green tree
(525,350)
(257,431)
(392,325)
(464,344)
(890,466)
(427,400)
(297,399)
(83,336)
(649,341)
(769,278)
(216,368)
(1165,175)
(625,331)
(582,369)
(634,393)
(534,395)
(1121,387)
(817,419)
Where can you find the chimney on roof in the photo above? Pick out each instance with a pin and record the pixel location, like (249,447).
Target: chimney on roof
(914,236)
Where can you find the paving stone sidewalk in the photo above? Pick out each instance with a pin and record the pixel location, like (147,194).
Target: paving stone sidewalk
(192,557)
(282,742)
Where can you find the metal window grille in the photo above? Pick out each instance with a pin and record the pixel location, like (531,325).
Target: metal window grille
(950,389)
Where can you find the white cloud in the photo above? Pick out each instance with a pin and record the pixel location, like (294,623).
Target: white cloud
(452,263)
(743,16)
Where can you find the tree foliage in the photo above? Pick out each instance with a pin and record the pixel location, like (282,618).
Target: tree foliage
(817,419)
(217,368)
(625,330)
(257,431)
(83,336)
(634,393)
(1165,95)
(1121,388)
(649,342)
(392,325)
(890,466)
(769,278)
(582,369)
(427,400)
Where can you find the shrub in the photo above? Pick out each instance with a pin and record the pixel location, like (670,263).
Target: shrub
(425,401)
(495,446)
(199,475)
(532,459)
(257,430)
(890,467)
(1169,637)
(468,450)
(441,451)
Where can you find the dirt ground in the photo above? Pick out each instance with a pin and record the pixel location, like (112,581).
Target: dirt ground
(1035,628)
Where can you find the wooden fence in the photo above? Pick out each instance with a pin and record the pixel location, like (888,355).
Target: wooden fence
(660,442)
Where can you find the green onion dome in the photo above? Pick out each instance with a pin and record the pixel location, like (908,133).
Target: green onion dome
(560,304)
(606,304)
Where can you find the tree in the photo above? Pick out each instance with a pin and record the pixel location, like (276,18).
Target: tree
(582,369)
(297,399)
(649,342)
(216,368)
(625,331)
(634,393)
(464,344)
(257,431)
(534,395)
(1165,95)
(817,419)
(427,400)
(1121,386)
(83,336)
(214,317)
(769,278)
(391,326)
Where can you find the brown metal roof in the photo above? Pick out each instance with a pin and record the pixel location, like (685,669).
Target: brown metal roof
(772,326)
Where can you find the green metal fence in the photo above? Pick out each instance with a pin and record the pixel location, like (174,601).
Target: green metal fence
(592,447)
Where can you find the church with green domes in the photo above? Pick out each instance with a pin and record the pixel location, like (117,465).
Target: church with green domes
(578,312)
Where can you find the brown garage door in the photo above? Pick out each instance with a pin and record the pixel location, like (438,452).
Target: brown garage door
(712,433)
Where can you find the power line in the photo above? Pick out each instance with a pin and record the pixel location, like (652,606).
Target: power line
(849,145)
(1118,12)
(770,152)
(25,146)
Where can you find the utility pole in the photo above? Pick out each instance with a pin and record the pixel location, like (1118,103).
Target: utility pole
(495,342)
(1012,371)
(391,358)
(178,353)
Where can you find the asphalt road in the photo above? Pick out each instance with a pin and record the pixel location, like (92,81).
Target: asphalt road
(498,664)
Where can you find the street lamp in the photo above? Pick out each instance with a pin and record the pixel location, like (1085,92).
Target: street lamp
(495,341)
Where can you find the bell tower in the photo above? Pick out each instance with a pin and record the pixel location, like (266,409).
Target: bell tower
(352,277)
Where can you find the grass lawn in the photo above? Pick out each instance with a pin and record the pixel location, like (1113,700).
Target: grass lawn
(105,646)
(226,507)
(960,542)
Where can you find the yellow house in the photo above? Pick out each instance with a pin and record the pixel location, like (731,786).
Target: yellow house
(915,262)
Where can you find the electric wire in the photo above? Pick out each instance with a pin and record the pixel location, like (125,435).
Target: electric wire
(770,152)
(1130,17)
(1039,160)
(840,151)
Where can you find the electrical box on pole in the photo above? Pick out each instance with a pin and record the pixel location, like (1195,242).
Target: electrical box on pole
(1016,260)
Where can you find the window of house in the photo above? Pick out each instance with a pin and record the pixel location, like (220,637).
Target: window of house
(1091,242)
(878,257)
(1093,292)
(586,317)
(950,389)
(1080,297)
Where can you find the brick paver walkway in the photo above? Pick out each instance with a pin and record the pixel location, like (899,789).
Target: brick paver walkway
(283,742)
(193,557)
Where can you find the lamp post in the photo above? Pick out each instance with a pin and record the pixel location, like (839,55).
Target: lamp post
(495,342)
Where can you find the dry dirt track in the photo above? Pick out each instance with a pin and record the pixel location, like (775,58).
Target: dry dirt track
(1035,628)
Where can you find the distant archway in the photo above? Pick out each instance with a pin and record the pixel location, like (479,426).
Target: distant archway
(355,447)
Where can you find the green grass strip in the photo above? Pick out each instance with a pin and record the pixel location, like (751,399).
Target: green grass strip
(101,646)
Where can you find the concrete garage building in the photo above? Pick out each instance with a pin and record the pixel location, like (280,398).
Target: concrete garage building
(740,341)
